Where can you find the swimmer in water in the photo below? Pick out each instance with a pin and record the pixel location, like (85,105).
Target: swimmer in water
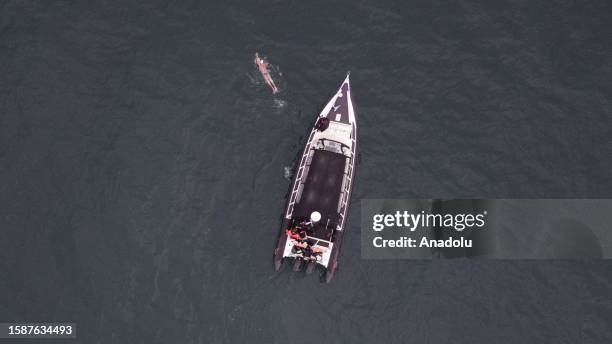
(263,69)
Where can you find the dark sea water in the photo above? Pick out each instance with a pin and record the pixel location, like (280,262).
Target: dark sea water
(142,164)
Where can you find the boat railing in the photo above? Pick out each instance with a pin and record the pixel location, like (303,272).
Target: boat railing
(346,186)
(298,177)
(320,242)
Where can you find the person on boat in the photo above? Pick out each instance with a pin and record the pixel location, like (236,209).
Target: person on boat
(292,233)
(317,250)
(299,247)
(310,251)
(265,73)
(322,124)
(296,233)
(307,251)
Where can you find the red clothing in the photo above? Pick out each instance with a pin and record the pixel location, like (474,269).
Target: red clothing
(292,235)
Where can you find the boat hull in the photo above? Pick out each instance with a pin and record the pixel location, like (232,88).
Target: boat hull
(322,185)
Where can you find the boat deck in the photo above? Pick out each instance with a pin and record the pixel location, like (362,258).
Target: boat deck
(322,187)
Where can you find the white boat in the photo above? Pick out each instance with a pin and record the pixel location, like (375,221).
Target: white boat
(319,198)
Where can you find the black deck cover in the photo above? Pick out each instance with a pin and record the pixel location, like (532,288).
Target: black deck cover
(323,186)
